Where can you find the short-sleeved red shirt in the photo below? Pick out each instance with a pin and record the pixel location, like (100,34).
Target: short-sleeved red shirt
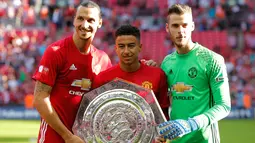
(69,73)
(147,76)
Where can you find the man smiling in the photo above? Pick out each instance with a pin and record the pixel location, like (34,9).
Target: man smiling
(65,74)
(128,47)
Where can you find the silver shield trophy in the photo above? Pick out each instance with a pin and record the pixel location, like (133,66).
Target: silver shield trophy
(118,112)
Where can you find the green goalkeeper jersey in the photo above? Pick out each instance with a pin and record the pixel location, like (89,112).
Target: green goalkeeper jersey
(199,88)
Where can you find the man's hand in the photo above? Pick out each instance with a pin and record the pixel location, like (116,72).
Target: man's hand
(74,139)
(160,139)
(149,63)
(177,128)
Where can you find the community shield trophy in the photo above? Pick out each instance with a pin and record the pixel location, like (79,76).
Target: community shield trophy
(118,112)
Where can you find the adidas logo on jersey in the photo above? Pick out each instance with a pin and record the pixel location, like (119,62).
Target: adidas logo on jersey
(72,67)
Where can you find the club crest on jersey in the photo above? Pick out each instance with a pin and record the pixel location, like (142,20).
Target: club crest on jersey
(180,87)
(84,84)
(147,84)
(192,72)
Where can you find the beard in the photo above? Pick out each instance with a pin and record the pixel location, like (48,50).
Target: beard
(180,43)
(84,34)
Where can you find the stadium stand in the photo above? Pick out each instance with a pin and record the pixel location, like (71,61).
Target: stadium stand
(25,27)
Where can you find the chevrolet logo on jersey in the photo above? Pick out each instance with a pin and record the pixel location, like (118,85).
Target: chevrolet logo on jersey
(85,84)
(147,84)
(180,87)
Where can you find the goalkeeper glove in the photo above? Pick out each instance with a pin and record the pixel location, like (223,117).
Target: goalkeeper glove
(177,128)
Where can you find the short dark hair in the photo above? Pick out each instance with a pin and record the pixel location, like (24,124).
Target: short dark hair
(128,29)
(91,4)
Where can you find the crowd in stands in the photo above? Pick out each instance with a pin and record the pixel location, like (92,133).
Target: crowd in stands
(28,26)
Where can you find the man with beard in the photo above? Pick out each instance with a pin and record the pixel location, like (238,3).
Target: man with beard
(198,81)
(65,74)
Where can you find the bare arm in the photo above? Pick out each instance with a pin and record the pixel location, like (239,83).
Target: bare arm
(43,105)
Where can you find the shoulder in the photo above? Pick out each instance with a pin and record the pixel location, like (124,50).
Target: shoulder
(109,71)
(59,45)
(169,58)
(98,52)
(104,76)
(208,55)
(168,61)
(153,70)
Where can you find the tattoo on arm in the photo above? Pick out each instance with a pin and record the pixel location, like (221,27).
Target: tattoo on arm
(41,87)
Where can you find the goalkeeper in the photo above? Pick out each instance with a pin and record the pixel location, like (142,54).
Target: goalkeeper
(198,81)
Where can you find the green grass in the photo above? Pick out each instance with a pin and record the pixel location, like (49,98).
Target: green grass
(23,131)
(18,131)
(237,131)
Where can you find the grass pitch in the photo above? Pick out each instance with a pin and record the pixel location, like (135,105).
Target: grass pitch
(19,131)
(26,131)
(237,131)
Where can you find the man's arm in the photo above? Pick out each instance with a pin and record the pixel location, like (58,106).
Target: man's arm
(220,104)
(219,86)
(43,105)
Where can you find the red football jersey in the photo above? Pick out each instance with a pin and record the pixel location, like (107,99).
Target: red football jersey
(149,77)
(69,73)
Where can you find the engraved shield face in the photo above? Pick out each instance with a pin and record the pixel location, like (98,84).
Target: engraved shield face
(117,112)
